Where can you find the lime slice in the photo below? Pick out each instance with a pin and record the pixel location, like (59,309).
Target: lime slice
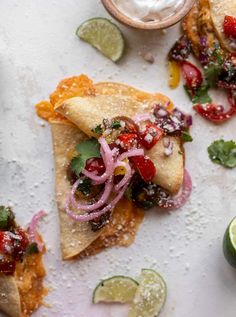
(103,35)
(229,243)
(117,289)
(150,296)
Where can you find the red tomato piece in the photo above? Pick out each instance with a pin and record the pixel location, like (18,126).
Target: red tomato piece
(20,243)
(145,167)
(96,165)
(128,140)
(150,136)
(216,113)
(6,243)
(230,26)
(192,75)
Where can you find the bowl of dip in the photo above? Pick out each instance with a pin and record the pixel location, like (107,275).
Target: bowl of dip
(148,14)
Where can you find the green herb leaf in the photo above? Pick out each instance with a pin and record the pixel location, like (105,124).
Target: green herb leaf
(87,149)
(186,137)
(77,165)
(6,217)
(188,92)
(97,129)
(85,186)
(32,248)
(201,96)
(115,125)
(218,53)
(212,73)
(223,153)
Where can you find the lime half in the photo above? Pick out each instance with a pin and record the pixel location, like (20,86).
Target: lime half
(229,243)
(104,35)
(150,296)
(117,289)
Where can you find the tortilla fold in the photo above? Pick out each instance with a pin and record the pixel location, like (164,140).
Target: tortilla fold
(9,296)
(74,236)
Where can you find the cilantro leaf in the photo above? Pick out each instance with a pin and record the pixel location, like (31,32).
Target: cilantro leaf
(218,53)
(77,165)
(32,248)
(201,95)
(223,153)
(87,149)
(186,137)
(115,125)
(6,217)
(97,129)
(212,73)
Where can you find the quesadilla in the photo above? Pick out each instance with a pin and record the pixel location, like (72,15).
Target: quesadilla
(21,268)
(117,151)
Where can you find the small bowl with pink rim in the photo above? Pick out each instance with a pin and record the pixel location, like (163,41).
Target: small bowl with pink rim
(148,14)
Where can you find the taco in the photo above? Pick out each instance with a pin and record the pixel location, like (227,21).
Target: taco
(204,25)
(117,151)
(220,10)
(21,268)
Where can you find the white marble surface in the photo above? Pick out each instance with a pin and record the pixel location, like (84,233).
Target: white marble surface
(38,47)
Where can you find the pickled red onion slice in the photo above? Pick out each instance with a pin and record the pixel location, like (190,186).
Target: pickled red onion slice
(90,216)
(127,176)
(107,155)
(135,152)
(33,229)
(103,199)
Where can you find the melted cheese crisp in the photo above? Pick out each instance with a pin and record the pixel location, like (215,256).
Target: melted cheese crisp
(148,10)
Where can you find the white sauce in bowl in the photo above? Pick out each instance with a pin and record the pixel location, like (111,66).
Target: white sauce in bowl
(148,10)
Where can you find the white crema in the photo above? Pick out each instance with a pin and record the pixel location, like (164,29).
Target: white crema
(148,10)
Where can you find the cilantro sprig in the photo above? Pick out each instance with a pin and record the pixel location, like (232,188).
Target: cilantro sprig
(223,153)
(200,95)
(6,217)
(86,149)
(186,137)
(116,124)
(212,73)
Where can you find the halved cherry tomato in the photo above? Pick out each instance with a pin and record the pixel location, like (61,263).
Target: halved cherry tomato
(96,165)
(230,26)
(216,113)
(150,136)
(6,243)
(145,167)
(128,140)
(192,75)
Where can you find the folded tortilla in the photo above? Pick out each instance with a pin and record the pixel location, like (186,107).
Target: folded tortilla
(83,114)
(75,236)
(87,112)
(219,9)
(9,296)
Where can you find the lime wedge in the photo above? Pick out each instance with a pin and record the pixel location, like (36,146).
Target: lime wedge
(117,289)
(104,35)
(229,243)
(150,296)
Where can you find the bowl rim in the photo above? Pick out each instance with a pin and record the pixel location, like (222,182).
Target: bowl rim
(154,25)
